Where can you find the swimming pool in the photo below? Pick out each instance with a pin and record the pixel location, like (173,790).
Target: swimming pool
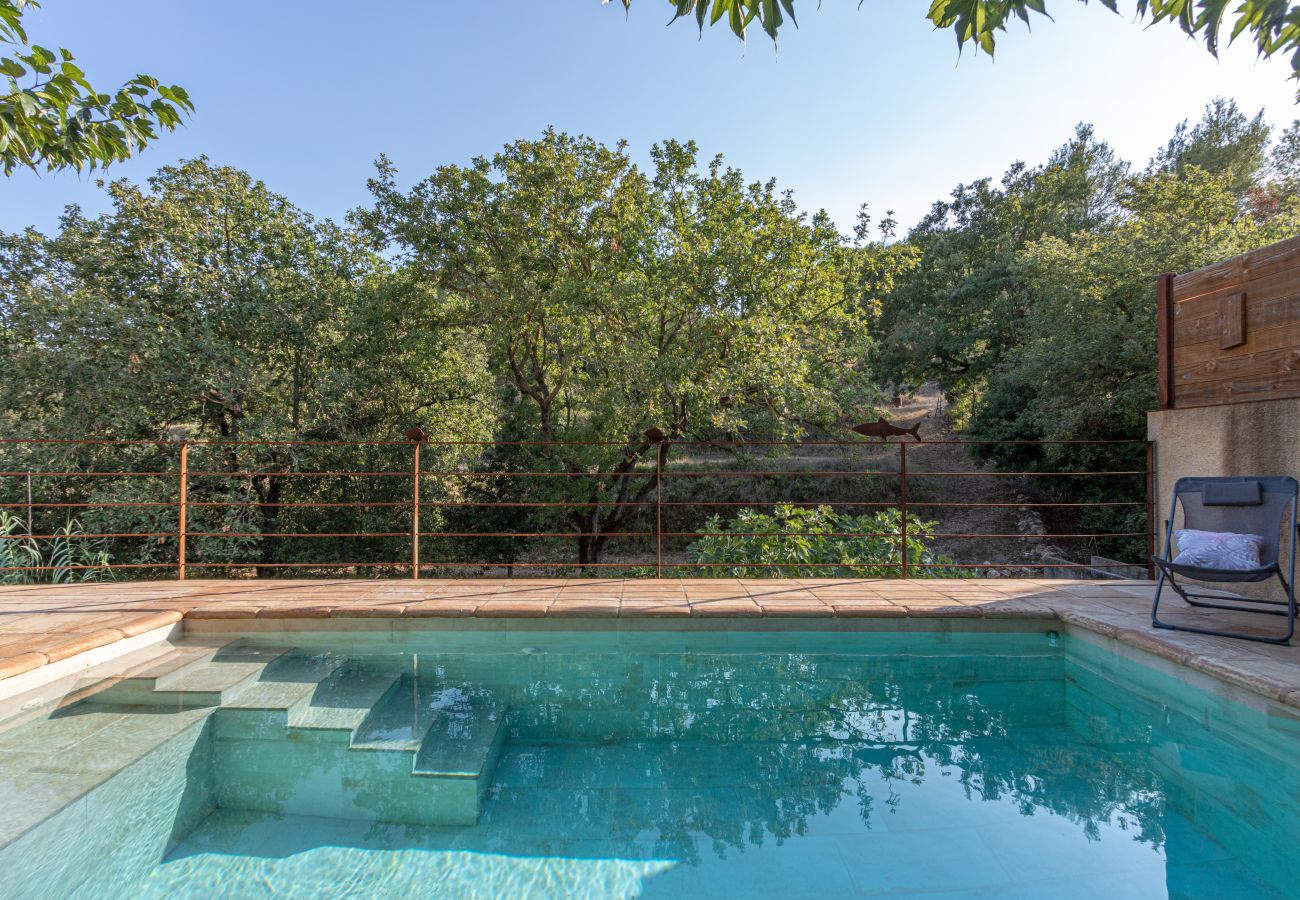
(504,761)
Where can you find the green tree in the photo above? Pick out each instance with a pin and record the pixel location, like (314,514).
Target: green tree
(631,308)
(52,117)
(961,309)
(206,305)
(1224,142)
(1274,25)
(1035,306)
(803,542)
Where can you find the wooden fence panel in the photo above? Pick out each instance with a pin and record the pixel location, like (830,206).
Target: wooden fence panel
(1230,333)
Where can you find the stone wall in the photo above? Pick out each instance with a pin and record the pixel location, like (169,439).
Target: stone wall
(1261,438)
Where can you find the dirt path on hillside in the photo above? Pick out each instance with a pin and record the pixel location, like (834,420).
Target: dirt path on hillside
(927,406)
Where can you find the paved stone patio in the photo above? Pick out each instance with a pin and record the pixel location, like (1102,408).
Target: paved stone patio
(43,624)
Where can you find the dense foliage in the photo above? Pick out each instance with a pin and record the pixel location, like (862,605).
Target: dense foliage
(1273,25)
(51,116)
(1033,304)
(554,292)
(65,556)
(601,323)
(208,307)
(621,311)
(815,542)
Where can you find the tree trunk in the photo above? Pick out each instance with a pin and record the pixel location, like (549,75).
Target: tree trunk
(268,508)
(595,530)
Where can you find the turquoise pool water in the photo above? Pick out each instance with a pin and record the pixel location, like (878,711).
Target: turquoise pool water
(548,764)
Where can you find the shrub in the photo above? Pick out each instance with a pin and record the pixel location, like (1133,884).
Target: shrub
(63,558)
(816,542)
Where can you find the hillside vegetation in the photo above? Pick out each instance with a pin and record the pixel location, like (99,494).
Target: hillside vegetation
(558,292)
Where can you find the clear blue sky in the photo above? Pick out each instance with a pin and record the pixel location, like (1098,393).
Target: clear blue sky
(305,94)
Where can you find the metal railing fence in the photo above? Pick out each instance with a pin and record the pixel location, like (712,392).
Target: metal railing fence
(180,497)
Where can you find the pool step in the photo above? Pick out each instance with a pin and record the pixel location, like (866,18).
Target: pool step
(462,748)
(194,676)
(136,684)
(447,740)
(341,702)
(359,745)
(267,706)
(397,722)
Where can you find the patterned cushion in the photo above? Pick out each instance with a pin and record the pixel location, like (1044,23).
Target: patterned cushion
(1218,549)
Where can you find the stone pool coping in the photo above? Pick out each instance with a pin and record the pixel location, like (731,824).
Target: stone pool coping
(43,625)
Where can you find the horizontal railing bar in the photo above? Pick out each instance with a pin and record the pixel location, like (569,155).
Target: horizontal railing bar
(896,534)
(111,567)
(532,504)
(924,474)
(298,534)
(540,534)
(81,535)
(782,534)
(943,503)
(1047,536)
(22,504)
(536,565)
(794,473)
(643,473)
(574,534)
(218,444)
(342,504)
(806,473)
(17,504)
(87,474)
(570,564)
(881,565)
(991,565)
(814,503)
(502,565)
(827,442)
(292,473)
(307,565)
(156,442)
(404,534)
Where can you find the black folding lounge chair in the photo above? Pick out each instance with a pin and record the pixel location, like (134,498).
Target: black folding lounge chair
(1240,506)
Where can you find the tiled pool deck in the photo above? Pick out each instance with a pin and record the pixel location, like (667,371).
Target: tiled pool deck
(47,624)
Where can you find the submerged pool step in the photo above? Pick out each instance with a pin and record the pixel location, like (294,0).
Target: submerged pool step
(136,684)
(340,703)
(398,721)
(271,703)
(446,744)
(196,678)
(465,743)
(360,745)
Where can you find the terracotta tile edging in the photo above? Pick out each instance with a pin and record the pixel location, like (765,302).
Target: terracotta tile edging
(23,662)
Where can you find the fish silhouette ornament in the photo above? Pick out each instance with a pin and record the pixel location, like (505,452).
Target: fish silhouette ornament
(885,430)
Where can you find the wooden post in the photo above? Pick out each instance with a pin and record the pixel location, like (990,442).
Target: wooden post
(902,472)
(181,511)
(1165,338)
(415,515)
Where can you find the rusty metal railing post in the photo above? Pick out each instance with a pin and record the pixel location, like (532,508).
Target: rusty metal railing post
(181,506)
(902,501)
(1151,509)
(415,514)
(659,509)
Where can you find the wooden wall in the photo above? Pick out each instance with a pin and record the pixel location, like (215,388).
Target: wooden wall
(1230,333)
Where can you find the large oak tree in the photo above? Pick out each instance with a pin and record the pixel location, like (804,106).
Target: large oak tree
(632,308)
